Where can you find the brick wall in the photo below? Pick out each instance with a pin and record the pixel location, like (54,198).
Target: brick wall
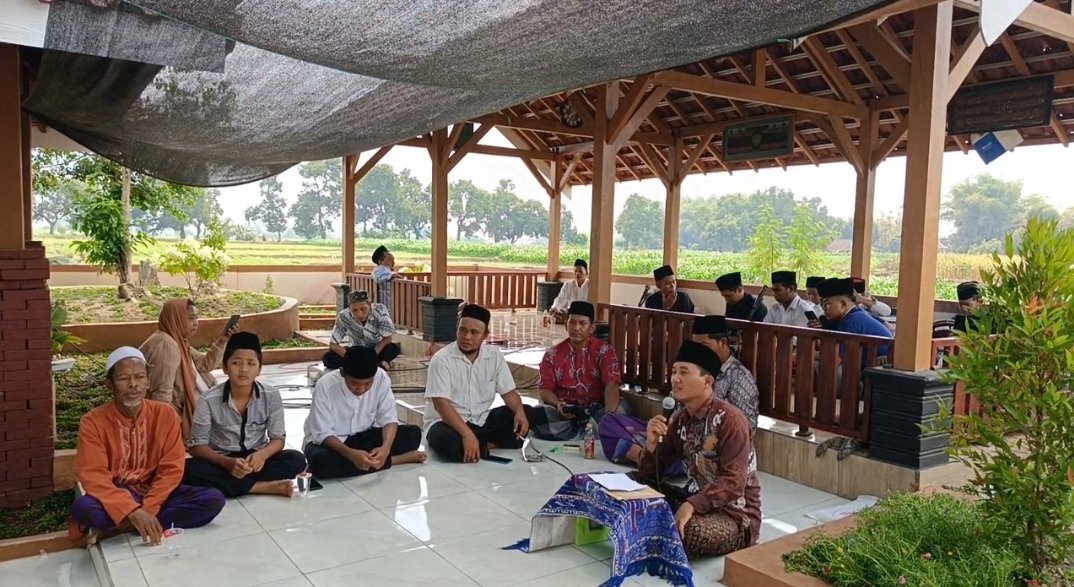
(26,403)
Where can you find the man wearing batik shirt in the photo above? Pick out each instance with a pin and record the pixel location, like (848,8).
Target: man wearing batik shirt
(579,379)
(719,509)
(364,324)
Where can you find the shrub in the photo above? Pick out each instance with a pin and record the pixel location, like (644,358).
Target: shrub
(911,539)
(61,338)
(201,266)
(1024,374)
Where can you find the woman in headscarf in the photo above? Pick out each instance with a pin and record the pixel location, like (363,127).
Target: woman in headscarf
(179,374)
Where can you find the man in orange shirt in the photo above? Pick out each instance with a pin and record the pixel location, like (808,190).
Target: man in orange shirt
(130,461)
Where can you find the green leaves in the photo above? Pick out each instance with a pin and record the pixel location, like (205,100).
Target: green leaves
(766,246)
(200,265)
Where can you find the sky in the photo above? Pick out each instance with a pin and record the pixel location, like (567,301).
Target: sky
(1042,169)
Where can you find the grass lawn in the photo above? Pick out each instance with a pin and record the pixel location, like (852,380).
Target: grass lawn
(48,515)
(78,391)
(93,304)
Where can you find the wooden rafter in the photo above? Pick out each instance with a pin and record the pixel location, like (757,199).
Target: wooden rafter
(357,175)
(648,154)
(1023,68)
(885,148)
(879,45)
(534,124)
(897,7)
(830,70)
(619,135)
(836,130)
(759,67)
(628,105)
(469,146)
(723,89)
(1037,17)
(565,177)
(581,107)
(541,179)
(965,57)
(453,137)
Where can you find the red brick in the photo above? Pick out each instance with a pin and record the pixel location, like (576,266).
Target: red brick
(11,324)
(28,315)
(10,386)
(24,274)
(18,424)
(40,404)
(41,343)
(41,463)
(23,497)
(36,264)
(24,472)
(16,444)
(34,305)
(11,406)
(27,294)
(26,334)
(13,264)
(40,424)
(45,482)
(11,254)
(12,345)
(16,305)
(23,375)
(23,355)
(22,435)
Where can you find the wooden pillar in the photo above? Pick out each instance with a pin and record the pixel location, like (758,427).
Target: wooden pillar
(349,220)
(602,223)
(12,155)
(673,204)
(27,188)
(931,57)
(439,149)
(862,250)
(555,220)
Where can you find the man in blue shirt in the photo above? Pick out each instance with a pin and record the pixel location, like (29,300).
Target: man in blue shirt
(383,274)
(843,315)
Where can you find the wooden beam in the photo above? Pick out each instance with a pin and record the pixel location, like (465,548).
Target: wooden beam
(602,223)
(965,59)
(534,124)
(652,159)
(555,222)
(620,135)
(723,89)
(806,150)
(629,104)
(673,204)
(693,155)
(887,55)
(349,211)
(565,176)
(440,198)
(836,130)
(540,177)
(468,146)
(1023,68)
(1037,17)
(453,138)
(882,150)
(759,67)
(357,175)
(12,224)
(921,206)
(531,154)
(580,106)
(864,192)
(891,9)
(830,70)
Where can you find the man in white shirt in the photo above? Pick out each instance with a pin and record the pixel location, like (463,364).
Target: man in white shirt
(575,290)
(789,309)
(867,302)
(463,380)
(353,427)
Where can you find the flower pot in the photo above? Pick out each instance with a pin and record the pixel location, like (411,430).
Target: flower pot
(61,364)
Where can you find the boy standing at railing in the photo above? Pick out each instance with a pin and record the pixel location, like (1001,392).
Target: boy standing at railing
(383,274)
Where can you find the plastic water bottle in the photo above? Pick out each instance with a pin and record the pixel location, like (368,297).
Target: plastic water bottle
(589,445)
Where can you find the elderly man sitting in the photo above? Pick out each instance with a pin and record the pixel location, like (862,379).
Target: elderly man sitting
(131,459)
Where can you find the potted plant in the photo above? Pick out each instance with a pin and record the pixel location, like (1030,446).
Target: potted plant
(61,338)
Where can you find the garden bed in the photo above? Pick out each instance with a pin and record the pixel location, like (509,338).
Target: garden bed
(93,305)
(45,517)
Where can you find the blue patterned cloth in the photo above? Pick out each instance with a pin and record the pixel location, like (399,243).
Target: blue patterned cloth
(642,531)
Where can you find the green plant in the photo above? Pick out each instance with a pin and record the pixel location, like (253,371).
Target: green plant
(268,285)
(911,539)
(60,337)
(201,266)
(766,248)
(1021,448)
(808,238)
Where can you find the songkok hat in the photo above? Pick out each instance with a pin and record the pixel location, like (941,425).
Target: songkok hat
(836,286)
(360,362)
(710,325)
(378,254)
(580,308)
(700,355)
(123,352)
(789,278)
(813,282)
(476,312)
(729,281)
(357,296)
(662,272)
(581,263)
(859,284)
(242,341)
(968,290)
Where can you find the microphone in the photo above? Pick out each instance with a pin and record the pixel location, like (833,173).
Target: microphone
(757,303)
(669,407)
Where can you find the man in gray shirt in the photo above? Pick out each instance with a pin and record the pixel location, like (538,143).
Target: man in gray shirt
(237,436)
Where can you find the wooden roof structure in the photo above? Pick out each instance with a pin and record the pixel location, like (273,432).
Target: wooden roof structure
(865,63)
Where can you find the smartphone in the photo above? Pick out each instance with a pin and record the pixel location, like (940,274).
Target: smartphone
(496,459)
(811,315)
(231,322)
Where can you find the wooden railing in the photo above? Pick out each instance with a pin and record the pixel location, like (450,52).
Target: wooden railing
(500,290)
(811,377)
(405,308)
(964,403)
(363,282)
(646,343)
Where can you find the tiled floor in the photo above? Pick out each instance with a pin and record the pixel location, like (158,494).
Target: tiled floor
(413,525)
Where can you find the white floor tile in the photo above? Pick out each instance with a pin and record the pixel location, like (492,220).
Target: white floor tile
(127,573)
(339,541)
(240,562)
(524,498)
(291,582)
(117,548)
(274,512)
(68,568)
(599,551)
(454,516)
(585,576)
(404,485)
(485,473)
(420,566)
(707,571)
(778,525)
(234,521)
(483,559)
(779,496)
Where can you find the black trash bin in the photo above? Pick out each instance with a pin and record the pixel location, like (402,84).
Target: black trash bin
(546,293)
(602,331)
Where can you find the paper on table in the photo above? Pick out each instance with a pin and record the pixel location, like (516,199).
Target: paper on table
(616,482)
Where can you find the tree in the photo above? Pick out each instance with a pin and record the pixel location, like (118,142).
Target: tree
(529,218)
(271,210)
(1036,206)
(466,201)
(808,237)
(887,233)
(766,245)
(568,233)
(376,197)
(104,209)
(321,199)
(641,223)
(983,209)
(1067,220)
(54,205)
(411,213)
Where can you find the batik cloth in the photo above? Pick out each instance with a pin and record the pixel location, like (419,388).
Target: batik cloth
(642,531)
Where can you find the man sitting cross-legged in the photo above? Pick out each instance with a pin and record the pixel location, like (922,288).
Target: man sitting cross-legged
(130,462)
(623,437)
(579,380)
(237,439)
(353,425)
(719,509)
(464,379)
